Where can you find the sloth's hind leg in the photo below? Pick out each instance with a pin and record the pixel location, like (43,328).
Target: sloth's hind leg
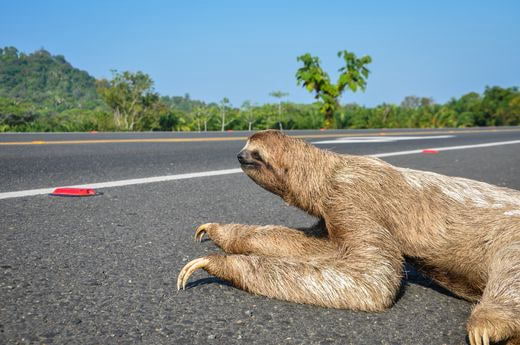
(497,316)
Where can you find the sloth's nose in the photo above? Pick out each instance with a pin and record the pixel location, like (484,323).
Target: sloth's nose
(242,156)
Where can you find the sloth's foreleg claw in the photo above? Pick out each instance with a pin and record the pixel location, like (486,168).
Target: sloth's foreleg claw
(188,270)
(201,230)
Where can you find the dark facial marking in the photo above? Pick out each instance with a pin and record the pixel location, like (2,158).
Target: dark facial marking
(247,160)
(256,156)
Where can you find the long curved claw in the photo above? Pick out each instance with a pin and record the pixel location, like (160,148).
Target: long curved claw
(201,230)
(485,337)
(478,337)
(188,270)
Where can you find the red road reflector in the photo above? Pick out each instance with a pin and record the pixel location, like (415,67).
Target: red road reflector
(430,151)
(74,192)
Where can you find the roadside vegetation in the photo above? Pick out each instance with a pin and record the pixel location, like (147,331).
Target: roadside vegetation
(43,92)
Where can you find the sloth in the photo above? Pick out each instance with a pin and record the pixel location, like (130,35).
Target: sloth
(463,234)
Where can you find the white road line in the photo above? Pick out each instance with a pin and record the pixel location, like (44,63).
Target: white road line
(130,182)
(379,139)
(448,148)
(121,183)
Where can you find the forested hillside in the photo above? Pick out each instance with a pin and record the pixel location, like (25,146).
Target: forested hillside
(46,80)
(44,92)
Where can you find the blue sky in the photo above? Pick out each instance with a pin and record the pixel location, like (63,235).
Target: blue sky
(243,50)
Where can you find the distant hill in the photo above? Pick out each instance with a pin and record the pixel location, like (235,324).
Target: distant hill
(46,80)
(44,92)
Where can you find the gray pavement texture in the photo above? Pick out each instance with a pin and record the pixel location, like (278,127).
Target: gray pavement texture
(102,270)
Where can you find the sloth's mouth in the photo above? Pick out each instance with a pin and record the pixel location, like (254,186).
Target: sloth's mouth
(249,165)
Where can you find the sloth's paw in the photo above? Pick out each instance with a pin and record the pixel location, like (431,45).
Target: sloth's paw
(490,325)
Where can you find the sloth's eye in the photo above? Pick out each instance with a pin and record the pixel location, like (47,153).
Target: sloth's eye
(256,156)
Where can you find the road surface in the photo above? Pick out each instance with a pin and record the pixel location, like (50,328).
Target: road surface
(103,269)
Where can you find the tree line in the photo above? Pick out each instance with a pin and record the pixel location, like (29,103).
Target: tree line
(42,92)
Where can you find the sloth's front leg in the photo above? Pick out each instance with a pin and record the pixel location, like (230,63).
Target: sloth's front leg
(325,282)
(268,240)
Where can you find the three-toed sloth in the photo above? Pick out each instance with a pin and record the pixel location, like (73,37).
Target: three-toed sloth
(462,233)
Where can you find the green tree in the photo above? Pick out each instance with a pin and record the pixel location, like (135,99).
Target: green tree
(184,104)
(196,116)
(411,102)
(15,115)
(224,108)
(169,121)
(249,112)
(352,76)
(468,109)
(201,115)
(279,95)
(131,98)
(514,110)
(496,106)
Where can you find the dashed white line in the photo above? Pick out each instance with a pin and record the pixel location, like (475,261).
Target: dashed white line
(121,183)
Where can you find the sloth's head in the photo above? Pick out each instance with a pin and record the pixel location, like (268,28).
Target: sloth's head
(265,160)
(283,165)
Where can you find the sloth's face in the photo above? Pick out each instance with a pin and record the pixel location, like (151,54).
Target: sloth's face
(262,160)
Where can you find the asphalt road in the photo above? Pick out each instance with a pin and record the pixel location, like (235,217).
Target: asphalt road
(102,270)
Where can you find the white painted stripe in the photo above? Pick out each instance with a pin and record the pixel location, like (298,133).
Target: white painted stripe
(122,183)
(379,139)
(29,192)
(448,148)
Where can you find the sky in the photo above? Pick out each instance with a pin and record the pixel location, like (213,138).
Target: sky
(243,50)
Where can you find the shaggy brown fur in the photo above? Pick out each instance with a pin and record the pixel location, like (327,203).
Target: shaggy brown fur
(462,233)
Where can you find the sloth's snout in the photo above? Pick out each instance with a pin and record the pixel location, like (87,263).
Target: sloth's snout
(243,157)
